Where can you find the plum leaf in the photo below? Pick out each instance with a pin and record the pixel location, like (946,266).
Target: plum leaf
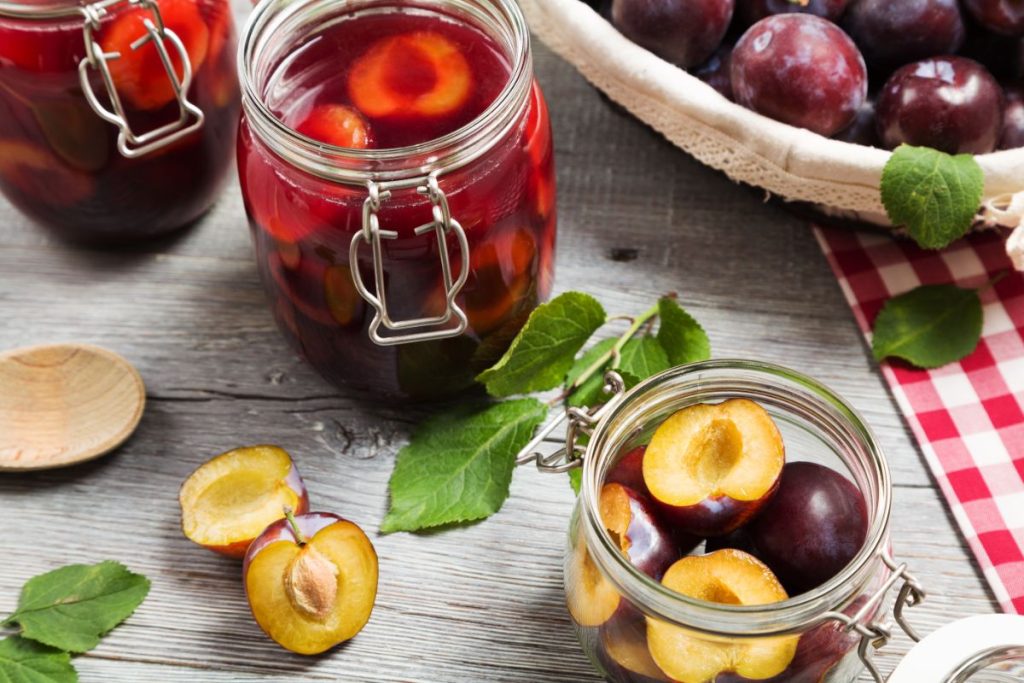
(458,466)
(929,326)
(641,358)
(934,195)
(682,337)
(543,351)
(72,607)
(25,661)
(590,392)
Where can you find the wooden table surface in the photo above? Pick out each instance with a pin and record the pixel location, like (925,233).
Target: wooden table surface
(483,603)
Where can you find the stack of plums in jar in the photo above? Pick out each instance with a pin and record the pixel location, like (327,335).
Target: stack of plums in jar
(712,509)
(373,89)
(60,162)
(944,74)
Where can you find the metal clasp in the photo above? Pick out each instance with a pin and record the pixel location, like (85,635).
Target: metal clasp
(875,634)
(442,225)
(581,421)
(190,117)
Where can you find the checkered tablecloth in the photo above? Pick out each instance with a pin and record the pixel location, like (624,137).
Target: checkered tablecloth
(969,416)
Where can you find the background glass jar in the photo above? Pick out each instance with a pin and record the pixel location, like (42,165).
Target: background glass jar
(815,636)
(363,252)
(97,140)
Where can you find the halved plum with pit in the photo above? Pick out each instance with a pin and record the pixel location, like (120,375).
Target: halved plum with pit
(729,577)
(712,467)
(623,652)
(422,73)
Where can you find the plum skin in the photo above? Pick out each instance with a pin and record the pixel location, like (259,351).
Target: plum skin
(1005,17)
(1013,119)
(683,32)
(802,70)
(952,104)
(893,34)
(309,524)
(753,11)
(812,528)
(715,71)
(652,548)
(714,516)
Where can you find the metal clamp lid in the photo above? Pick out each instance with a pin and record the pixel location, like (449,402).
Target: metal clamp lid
(443,224)
(129,143)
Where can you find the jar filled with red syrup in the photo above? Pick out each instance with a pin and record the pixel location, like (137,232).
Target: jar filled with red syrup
(117,117)
(396,164)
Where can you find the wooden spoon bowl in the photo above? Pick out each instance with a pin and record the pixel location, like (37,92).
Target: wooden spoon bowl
(64,404)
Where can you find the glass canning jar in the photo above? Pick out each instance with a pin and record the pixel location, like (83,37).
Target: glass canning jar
(403,270)
(117,117)
(822,636)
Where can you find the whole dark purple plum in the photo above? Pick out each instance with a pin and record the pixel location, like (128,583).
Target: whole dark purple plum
(715,71)
(999,16)
(863,130)
(1013,119)
(1003,56)
(684,32)
(952,104)
(800,69)
(812,528)
(891,34)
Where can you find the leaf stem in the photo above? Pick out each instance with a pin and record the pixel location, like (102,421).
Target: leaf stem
(615,352)
(996,279)
(300,537)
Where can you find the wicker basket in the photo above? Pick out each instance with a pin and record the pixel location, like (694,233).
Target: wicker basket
(840,178)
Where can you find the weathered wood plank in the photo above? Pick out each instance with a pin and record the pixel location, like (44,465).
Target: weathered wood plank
(638,218)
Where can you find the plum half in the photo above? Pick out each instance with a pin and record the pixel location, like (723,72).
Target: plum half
(631,520)
(311,581)
(229,500)
(711,468)
(812,528)
(730,577)
(623,652)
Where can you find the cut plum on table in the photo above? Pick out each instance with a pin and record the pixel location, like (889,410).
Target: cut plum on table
(802,70)
(229,500)
(422,73)
(729,577)
(140,74)
(711,467)
(337,125)
(631,521)
(311,581)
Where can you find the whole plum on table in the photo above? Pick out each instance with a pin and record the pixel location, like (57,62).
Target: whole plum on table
(1013,119)
(951,104)
(802,70)
(813,527)
(753,11)
(684,32)
(891,34)
(1000,16)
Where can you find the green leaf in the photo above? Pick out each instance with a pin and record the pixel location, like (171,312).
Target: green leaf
(934,195)
(576,479)
(458,466)
(25,661)
(641,358)
(71,607)
(682,337)
(591,392)
(929,326)
(543,351)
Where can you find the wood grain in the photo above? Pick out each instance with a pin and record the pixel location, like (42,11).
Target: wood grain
(484,603)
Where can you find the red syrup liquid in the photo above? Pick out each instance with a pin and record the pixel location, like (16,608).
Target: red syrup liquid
(386,80)
(59,162)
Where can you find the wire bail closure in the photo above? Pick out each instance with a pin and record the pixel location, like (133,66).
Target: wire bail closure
(443,224)
(129,143)
(876,634)
(581,421)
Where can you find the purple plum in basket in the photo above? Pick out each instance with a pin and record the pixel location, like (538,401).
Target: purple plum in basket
(753,11)
(951,104)
(1013,119)
(715,71)
(891,34)
(1003,56)
(999,16)
(863,130)
(802,70)
(684,32)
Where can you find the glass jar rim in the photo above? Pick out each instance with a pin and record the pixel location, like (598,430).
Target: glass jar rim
(395,164)
(790,616)
(69,9)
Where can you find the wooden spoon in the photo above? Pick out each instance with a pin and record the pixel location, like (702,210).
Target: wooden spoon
(65,404)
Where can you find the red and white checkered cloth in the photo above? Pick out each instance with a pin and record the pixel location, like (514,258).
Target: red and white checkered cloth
(969,416)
